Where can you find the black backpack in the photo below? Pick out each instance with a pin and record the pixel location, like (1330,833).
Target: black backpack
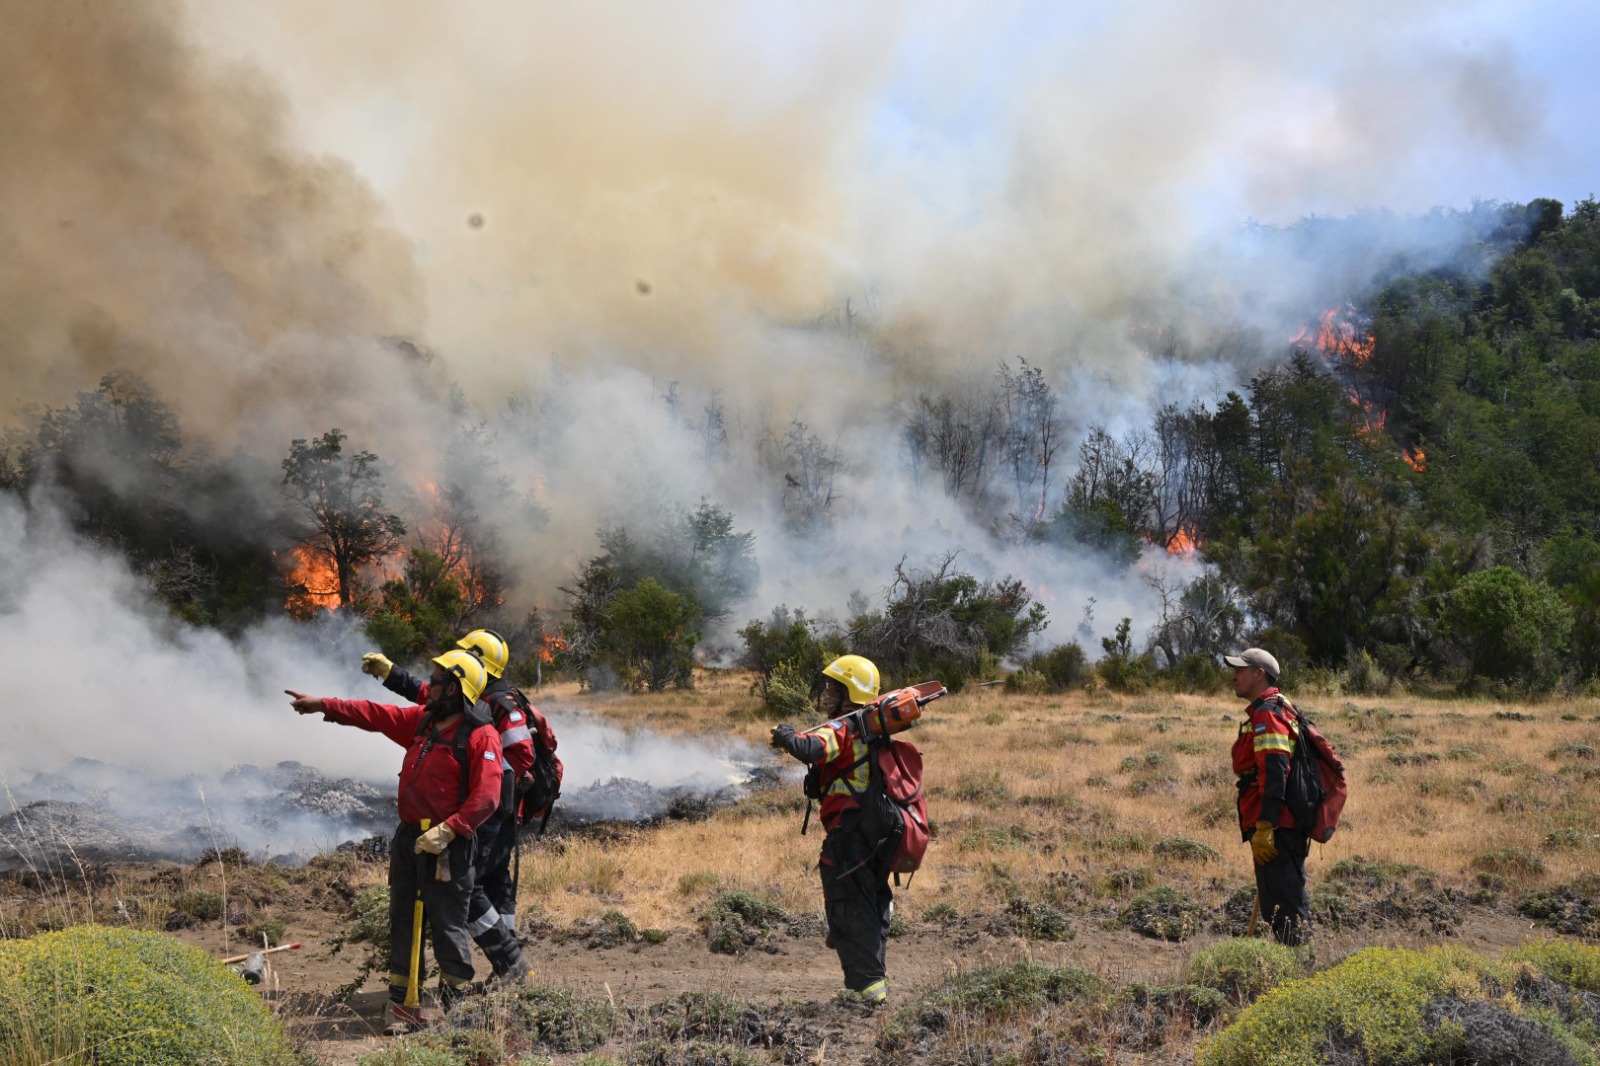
(540,797)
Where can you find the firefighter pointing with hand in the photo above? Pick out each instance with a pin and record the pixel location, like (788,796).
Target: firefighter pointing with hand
(524,733)
(855,888)
(449,786)
(1261,755)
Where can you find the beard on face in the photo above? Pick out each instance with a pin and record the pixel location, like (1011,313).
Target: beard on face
(443,700)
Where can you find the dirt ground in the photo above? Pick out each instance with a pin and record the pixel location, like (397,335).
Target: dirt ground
(1077,804)
(300,983)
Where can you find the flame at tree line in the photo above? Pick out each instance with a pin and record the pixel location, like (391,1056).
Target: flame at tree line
(1345,342)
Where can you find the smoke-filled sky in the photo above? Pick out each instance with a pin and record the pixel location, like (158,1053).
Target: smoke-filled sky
(803,212)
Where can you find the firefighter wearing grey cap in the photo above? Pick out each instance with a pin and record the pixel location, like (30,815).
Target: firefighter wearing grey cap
(1261,756)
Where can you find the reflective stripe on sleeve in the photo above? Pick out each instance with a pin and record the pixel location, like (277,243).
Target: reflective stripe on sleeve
(515,735)
(1275,742)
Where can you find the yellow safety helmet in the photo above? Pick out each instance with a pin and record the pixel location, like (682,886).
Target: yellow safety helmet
(466,668)
(489,646)
(858,676)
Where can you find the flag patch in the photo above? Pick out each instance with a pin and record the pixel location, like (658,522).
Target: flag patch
(489,755)
(516,716)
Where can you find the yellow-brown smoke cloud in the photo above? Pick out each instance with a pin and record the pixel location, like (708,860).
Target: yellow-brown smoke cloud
(155,217)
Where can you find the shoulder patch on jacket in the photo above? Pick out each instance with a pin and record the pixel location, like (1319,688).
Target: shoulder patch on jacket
(516,716)
(489,755)
(1262,728)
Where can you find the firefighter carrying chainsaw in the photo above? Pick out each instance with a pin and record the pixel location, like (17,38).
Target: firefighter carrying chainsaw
(450,783)
(529,789)
(873,810)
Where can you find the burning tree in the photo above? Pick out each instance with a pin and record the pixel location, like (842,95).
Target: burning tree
(341,495)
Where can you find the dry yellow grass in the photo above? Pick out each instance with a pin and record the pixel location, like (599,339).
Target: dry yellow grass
(1027,792)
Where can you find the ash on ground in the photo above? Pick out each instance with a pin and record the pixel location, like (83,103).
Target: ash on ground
(95,813)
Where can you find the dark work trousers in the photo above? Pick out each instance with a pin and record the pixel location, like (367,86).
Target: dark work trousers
(1281,885)
(857,899)
(491,917)
(444,905)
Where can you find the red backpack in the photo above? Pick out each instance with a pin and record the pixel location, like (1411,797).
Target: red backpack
(1316,789)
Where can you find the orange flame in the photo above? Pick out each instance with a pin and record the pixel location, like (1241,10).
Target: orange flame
(317,576)
(1416,459)
(1182,543)
(1339,338)
(551,645)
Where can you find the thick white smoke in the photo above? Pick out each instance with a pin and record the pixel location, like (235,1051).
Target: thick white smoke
(117,705)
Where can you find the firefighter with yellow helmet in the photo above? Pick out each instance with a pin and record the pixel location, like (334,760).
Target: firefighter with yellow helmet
(450,783)
(855,889)
(524,736)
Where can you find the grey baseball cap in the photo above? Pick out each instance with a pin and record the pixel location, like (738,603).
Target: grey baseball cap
(1254,657)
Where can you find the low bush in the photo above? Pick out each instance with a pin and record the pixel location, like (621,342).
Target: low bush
(1163,913)
(1063,668)
(131,998)
(1572,908)
(1242,969)
(1186,849)
(562,1020)
(198,904)
(1510,862)
(736,921)
(1406,1008)
(1039,921)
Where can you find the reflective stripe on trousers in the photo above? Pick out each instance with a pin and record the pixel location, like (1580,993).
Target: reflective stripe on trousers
(485,922)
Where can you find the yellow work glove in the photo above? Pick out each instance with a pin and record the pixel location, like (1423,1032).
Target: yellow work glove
(1261,845)
(435,840)
(377,664)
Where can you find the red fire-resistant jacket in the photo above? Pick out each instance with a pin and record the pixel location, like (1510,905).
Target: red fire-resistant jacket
(430,776)
(1261,755)
(516,740)
(833,748)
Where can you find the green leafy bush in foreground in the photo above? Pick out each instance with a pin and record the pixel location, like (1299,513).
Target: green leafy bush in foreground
(131,998)
(1396,1007)
(1243,969)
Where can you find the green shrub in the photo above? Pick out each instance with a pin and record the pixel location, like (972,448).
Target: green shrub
(734,921)
(1397,1007)
(1163,913)
(1037,920)
(1184,848)
(136,998)
(940,912)
(1510,862)
(1572,908)
(998,992)
(694,1053)
(1242,969)
(787,694)
(1063,668)
(1510,628)
(1575,965)
(786,656)
(264,928)
(563,1020)
(369,926)
(198,903)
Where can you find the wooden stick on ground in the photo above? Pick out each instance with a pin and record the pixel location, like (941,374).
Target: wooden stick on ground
(264,951)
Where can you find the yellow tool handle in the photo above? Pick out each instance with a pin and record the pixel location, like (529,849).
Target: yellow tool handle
(414,976)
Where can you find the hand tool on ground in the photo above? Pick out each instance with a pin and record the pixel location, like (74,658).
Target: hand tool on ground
(1255,916)
(230,960)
